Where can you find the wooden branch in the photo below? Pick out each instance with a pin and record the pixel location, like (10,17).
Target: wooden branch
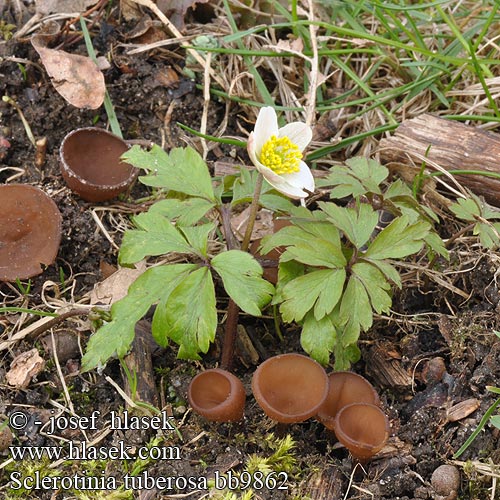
(451,145)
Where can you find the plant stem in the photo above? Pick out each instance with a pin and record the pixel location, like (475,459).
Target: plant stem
(227,355)
(254,208)
(231,329)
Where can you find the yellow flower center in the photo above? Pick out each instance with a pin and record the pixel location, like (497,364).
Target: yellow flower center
(281,155)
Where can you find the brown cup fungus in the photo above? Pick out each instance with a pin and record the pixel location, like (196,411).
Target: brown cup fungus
(345,388)
(217,395)
(363,429)
(91,164)
(30,231)
(290,387)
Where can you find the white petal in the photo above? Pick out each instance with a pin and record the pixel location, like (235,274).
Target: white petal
(281,182)
(289,190)
(302,179)
(298,132)
(265,126)
(251,149)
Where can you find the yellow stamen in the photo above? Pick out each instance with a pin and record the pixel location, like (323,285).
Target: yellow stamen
(281,155)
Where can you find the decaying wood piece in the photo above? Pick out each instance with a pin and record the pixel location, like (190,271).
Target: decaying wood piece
(387,370)
(326,485)
(452,146)
(140,365)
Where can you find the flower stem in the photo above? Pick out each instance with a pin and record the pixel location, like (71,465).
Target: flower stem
(231,329)
(254,208)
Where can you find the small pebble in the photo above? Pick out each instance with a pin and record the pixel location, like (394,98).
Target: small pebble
(446,480)
(433,371)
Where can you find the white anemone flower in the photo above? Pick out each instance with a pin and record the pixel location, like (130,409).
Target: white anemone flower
(277,154)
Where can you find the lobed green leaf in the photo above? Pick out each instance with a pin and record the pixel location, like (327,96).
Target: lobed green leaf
(399,239)
(314,244)
(242,278)
(466,209)
(360,176)
(356,224)
(318,290)
(355,313)
(197,237)
(375,284)
(155,235)
(183,170)
(318,338)
(114,338)
(185,212)
(189,315)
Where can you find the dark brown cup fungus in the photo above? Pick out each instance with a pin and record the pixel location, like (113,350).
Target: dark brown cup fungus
(363,429)
(30,231)
(345,388)
(290,387)
(91,164)
(217,395)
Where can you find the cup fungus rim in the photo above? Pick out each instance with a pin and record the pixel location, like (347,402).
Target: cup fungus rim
(236,391)
(288,418)
(53,240)
(329,420)
(345,438)
(102,188)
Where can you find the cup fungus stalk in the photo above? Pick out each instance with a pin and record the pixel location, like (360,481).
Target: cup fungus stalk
(277,155)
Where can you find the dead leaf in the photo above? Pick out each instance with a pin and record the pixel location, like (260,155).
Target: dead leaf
(294,45)
(130,10)
(115,286)
(45,7)
(75,77)
(23,368)
(176,10)
(462,409)
(263,224)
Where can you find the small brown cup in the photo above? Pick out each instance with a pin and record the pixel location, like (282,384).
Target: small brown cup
(345,388)
(290,387)
(217,395)
(91,164)
(363,429)
(30,231)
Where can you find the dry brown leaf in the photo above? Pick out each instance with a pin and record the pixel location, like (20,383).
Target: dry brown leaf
(75,77)
(462,409)
(115,286)
(263,224)
(130,10)
(45,7)
(23,368)
(176,9)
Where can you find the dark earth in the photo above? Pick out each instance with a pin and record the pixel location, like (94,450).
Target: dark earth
(437,350)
